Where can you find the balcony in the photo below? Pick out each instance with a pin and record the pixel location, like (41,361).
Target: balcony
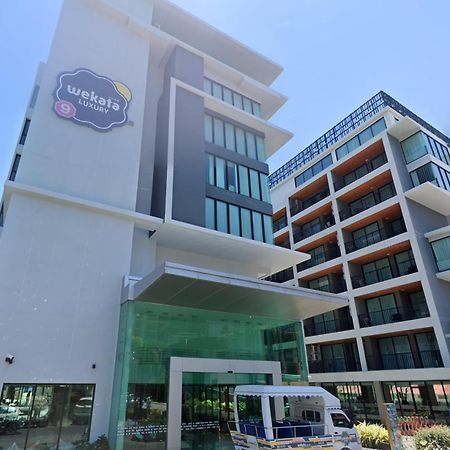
(391,315)
(300,205)
(328,254)
(408,360)
(334,365)
(282,276)
(279,224)
(368,201)
(335,286)
(361,171)
(328,326)
(392,229)
(309,229)
(383,274)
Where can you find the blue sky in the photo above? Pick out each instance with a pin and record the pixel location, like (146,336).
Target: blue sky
(336,54)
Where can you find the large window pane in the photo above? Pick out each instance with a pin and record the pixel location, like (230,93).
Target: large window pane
(207,86)
(257,226)
(229,137)
(378,126)
(210,217)
(246,223)
(268,230)
(240,141)
(220,173)
(414,147)
(222,216)
(235,226)
(227,96)
(217,90)
(441,249)
(254,183)
(232,176)
(251,145)
(244,185)
(210,170)
(256,109)
(237,100)
(208,129)
(218,132)
(260,149)
(265,195)
(247,105)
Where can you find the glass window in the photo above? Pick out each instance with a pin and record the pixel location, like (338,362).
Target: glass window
(441,249)
(405,262)
(341,151)
(232,176)
(237,100)
(260,149)
(207,86)
(382,310)
(265,194)
(257,226)
(254,183)
(229,137)
(353,144)
(244,185)
(251,146)
(365,135)
(386,192)
(256,109)
(246,223)
(414,147)
(227,95)
(268,231)
(208,128)
(240,141)
(378,126)
(210,171)
(217,90)
(222,216)
(377,271)
(218,132)
(235,225)
(220,173)
(210,219)
(247,105)
(321,284)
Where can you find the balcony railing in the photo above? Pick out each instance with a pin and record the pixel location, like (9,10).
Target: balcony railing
(279,224)
(282,276)
(388,192)
(330,253)
(408,360)
(329,326)
(335,287)
(335,365)
(361,171)
(284,244)
(300,205)
(303,233)
(383,274)
(391,315)
(393,229)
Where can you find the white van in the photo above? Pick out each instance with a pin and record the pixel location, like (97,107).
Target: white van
(294,417)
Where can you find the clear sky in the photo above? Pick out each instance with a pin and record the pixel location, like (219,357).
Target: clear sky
(336,54)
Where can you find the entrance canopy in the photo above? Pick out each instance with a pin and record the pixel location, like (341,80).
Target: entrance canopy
(180,285)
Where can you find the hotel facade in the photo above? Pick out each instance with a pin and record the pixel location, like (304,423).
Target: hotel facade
(136,233)
(370,202)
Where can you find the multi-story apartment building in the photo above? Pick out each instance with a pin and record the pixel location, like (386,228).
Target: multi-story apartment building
(370,202)
(136,227)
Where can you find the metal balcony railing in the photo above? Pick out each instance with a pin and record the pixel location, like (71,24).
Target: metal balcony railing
(300,205)
(393,229)
(361,171)
(335,287)
(282,276)
(279,224)
(330,253)
(334,365)
(391,315)
(307,231)
(407,360)
(380,195)
(329,326)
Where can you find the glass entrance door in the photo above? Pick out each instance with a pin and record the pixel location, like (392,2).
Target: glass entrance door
(207,407)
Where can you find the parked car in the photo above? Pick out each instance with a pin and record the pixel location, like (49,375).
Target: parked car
(82,410)
(10,419)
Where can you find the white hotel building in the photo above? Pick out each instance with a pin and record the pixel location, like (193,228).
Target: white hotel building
(370,202)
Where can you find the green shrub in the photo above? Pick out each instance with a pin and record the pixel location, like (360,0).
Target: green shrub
(372,435)
(100,444)
(433,438)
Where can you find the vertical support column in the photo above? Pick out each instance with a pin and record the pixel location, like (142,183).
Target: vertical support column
(301,348)
(379,394)
(277,380)
(267,417)
(174,401)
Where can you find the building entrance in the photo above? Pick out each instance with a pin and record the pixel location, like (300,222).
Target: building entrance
(201,399)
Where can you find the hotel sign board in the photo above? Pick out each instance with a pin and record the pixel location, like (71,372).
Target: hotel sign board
(93,100)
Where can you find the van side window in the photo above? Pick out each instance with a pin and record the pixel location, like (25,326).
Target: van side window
(341,420)
(310,415)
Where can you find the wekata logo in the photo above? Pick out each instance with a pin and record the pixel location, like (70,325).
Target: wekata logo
(93,100)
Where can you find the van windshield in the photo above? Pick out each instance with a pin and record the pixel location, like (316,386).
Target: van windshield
(341,420)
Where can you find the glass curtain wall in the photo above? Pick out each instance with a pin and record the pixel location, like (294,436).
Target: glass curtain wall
(150,334)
